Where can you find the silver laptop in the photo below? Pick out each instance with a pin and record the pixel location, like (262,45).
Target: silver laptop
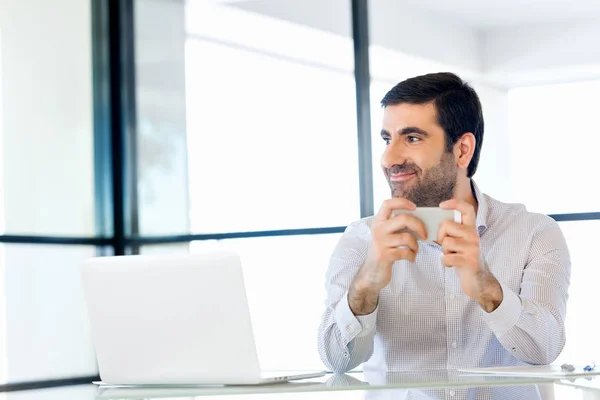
(173,320)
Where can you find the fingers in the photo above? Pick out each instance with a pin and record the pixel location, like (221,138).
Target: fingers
(451,245)
(455,245)
(454,229)
(405,221)
(385,211)
(403,239)
(460,253)
(466,210)
(393,247)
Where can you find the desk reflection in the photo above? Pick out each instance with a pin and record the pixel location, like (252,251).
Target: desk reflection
(442,384)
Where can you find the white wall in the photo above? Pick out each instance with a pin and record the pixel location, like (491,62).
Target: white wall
(417,33)
(542,53)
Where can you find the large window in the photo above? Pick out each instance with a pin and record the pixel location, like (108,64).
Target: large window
(44,324)
(554,140)
(269,129)
(582,343)
(47,206)
(46,124)
(554,170)
(272,153)
(156,126)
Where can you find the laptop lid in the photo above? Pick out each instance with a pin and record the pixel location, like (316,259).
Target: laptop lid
(180,319)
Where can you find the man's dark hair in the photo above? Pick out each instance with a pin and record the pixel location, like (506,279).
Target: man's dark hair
(457,105)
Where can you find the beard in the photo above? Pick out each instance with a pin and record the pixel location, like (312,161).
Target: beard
(429,187)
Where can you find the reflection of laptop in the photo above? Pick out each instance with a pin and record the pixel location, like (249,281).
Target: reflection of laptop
(173,320)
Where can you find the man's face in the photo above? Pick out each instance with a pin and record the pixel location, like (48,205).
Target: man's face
(415,161)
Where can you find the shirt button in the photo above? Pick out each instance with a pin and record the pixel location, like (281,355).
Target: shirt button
(453,345)
(452,393)
(452,297)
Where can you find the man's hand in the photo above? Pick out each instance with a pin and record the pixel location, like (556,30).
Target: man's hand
(460,244)
(388,245)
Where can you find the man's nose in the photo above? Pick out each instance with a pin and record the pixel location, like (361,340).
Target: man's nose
(391,156)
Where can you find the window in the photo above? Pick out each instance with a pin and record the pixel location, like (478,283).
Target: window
(554,137)
(269,131)
(553,170)
(238,126)
(47,192)
(44,326)
(581,330)
(46,123)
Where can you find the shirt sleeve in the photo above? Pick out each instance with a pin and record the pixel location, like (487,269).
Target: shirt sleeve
(530,324)
(345,340)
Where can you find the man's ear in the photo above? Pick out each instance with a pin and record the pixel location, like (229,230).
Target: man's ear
(464,149)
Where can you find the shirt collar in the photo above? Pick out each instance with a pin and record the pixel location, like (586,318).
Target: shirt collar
(482,208)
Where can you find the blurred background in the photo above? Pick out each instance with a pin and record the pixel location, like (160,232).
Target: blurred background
(157,126)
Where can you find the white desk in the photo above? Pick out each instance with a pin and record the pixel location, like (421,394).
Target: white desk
(417,385)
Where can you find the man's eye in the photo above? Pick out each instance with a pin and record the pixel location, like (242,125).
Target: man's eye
(386,140)
(413,139)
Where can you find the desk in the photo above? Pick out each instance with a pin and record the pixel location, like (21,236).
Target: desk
(352,386)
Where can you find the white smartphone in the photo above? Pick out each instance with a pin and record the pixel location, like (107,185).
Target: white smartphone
(432,217)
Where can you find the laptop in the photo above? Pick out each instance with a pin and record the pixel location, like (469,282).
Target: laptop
(173,320)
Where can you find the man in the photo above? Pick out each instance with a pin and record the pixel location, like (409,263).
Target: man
(491,291)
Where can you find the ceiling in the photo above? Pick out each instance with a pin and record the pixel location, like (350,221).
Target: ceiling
(487,14)
(512,42)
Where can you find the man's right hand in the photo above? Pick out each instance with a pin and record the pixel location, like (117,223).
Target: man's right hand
(390,243)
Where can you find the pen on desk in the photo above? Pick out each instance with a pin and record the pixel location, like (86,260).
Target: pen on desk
(589,368)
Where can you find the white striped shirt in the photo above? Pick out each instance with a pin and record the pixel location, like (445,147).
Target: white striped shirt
(424,321)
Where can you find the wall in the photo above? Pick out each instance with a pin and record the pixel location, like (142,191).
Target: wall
(542,53)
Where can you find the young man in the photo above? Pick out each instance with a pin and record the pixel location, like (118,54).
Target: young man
(491,290)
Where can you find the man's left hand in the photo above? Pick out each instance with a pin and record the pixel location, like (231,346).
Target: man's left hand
(460,244)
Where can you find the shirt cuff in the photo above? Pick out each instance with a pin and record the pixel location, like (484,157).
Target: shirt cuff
(505,317)
(350,325)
